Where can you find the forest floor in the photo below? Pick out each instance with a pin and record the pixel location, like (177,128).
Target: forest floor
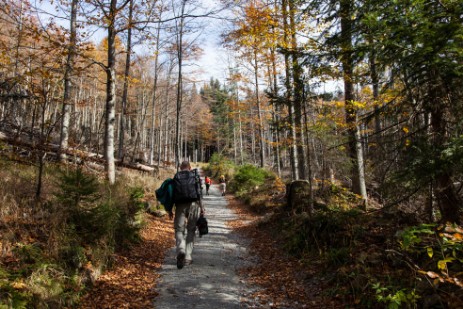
(237,265)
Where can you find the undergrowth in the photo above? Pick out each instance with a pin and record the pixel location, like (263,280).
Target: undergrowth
(51,249)
(367,260)
(220,165)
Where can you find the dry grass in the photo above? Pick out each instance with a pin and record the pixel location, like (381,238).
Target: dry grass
(27,222)
(149,183)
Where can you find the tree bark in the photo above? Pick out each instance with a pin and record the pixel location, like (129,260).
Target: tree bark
(448,200)
(179,83)
(275,111)
(125,90)
(259,112)
(298,97)
(354,143)
(110,111)
(155,88)
(293,139)
(65,117)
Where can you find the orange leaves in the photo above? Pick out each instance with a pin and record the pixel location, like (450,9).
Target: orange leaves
(281,281)
(130,283)
(256,30)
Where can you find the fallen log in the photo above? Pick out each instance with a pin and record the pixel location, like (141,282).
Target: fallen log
(76,155)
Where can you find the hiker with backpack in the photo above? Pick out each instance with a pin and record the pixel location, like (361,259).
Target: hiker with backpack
(188,209)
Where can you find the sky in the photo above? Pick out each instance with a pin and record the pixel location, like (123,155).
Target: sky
(215,60)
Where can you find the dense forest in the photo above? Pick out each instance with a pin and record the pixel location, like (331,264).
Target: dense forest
(324,94)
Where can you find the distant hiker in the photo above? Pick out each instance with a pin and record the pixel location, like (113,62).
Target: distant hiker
(223,184)
(188,208)
(208,182)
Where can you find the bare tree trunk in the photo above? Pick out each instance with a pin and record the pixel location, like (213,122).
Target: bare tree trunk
(126,86)
(298,94)
(448,200)
(355,146)
(111,97)
(241,136)
(293,147)
(275,112)
(375,84)
(68,83)
(259,113)
(166,111)
(155,88)
(253,137)
(235,148)
(309,161)
(43,137)
(179,83)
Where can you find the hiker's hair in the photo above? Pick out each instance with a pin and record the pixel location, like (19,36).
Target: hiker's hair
(185,165)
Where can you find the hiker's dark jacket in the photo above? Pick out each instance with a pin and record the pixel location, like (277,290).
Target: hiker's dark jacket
(165,194)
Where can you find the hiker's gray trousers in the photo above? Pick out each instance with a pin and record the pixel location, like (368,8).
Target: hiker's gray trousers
(186,216)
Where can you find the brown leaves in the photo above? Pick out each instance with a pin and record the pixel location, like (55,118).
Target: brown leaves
(284,280)
(130,283)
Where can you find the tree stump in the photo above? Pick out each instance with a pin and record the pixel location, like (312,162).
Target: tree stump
(298,195)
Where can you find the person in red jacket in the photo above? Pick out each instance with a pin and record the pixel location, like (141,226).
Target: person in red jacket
(208,182)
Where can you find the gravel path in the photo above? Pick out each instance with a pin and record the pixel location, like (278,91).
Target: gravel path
(211,280)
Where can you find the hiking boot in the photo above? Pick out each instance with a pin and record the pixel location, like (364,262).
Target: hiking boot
(188,262)
(180,260)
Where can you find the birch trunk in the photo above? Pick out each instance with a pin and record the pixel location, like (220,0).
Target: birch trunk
(111,97)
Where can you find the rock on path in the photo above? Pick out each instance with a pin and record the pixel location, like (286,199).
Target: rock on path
(211,280)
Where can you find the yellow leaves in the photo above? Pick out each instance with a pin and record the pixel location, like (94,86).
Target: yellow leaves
(430,251)
(366,91)
(359,105)
(257,28)
(442,264)
(19,285)
(339,104)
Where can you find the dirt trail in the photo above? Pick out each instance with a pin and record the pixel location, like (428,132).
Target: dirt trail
(212,280)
